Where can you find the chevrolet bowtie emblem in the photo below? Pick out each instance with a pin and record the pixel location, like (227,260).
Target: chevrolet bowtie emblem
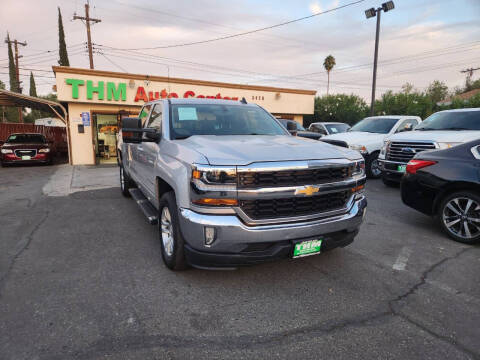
(307,190)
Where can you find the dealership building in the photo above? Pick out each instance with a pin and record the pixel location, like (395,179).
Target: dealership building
(97,100)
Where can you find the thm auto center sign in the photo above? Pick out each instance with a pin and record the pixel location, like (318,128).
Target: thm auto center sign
(117,91)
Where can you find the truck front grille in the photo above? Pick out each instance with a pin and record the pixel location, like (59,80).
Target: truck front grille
(404,151)
(294,206)
(259,179)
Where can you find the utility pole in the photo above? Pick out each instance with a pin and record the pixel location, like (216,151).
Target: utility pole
(387,6)
(87,20)
(469,73)
(17,70)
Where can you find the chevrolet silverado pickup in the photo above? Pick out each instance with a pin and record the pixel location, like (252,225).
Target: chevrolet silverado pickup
(229,186)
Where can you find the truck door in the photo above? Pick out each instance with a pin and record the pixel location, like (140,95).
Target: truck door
(149,151)
(132,150)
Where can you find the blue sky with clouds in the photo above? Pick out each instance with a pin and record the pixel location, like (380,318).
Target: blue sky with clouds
(421,41)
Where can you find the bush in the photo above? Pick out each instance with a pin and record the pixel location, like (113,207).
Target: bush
(338,108)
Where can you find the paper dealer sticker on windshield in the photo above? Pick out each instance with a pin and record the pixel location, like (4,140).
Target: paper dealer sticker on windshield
(187,113)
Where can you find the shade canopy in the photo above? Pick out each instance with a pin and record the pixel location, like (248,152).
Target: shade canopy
(10,98)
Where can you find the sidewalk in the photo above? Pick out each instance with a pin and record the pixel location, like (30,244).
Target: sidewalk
(70,179)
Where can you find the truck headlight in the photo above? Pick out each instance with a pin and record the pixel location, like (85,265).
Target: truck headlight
(214,185)
(44,150)
(359,169)
(215,174)
(448,145)
(361,148)
(7,151)
(383,150)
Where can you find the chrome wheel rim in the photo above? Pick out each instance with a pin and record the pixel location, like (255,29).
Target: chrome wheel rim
(375,168)
(122,179)
(461,216)
(167,231)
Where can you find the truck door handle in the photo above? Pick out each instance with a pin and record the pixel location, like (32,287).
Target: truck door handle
(140,148)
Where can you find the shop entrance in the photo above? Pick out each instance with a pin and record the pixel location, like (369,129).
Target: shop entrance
(105,132)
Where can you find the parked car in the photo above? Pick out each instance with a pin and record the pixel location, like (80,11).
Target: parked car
(441,130)
(446,184)
(229,186)
(295,128)
(328,128)
(368,135)
(25,148)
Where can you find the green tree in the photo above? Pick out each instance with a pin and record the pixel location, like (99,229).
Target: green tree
(62,47)
(437,91)
(406,102)
(2,85)
(338,108)
(328,64)
(33,87)
(14,85)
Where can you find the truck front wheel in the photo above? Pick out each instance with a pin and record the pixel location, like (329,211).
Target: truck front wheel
(171,240)
(372,166)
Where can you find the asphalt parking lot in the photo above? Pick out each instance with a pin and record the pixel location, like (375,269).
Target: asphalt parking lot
(81,277)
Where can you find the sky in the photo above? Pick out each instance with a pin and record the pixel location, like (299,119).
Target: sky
(420,41)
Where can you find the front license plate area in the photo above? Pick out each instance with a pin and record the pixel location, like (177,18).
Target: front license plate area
(401,168)
(307,248)
(26,157)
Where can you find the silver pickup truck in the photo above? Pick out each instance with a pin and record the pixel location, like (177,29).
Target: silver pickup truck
(229,186)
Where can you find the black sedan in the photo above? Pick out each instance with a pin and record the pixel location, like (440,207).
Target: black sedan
(296,129)
(446,185)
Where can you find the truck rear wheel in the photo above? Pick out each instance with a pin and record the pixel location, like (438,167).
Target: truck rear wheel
(171,239)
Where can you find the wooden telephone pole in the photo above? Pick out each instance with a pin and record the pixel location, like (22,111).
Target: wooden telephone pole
(17,70)
(469,73)
(87,20)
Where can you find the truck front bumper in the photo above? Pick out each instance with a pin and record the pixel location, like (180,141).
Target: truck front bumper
(237,244)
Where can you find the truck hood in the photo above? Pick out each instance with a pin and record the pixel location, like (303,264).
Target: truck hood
(246,149)
(358,137)
(437,136)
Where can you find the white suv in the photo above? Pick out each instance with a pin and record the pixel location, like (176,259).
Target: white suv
(368,135)
(441,130)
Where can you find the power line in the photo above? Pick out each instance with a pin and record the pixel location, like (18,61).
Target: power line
(248,32)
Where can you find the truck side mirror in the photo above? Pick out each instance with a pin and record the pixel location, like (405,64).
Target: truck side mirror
(132,130)
(292,128)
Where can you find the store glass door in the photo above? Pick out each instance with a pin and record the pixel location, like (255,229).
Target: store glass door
(106,129)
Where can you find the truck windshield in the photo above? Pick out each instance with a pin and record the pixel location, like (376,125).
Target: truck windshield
(375,125)
(454,120)
(221,119)
(26,139)
(336,128)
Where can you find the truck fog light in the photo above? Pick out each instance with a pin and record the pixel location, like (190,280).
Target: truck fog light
(210,235)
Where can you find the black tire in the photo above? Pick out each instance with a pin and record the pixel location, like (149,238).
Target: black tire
(372,160)
(390,183)
(457,231)
(174,257)
(126,182)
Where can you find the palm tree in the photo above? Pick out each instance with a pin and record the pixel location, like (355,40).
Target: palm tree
(328,64)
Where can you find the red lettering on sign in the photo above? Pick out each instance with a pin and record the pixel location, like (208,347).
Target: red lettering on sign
(201,97)
(163,94)
(141,95)
(188,94)
(173,95)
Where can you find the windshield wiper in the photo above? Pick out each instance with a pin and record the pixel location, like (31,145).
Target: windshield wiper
(425,129)
(182,137)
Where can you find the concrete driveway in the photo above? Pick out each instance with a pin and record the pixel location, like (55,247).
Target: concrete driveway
(81,277)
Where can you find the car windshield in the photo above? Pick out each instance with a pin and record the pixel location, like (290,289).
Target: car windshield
(26,139)
(221,119)
(336,128)
(454,120)
(375,125)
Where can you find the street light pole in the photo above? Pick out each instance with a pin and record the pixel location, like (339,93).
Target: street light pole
(374,82)
(371,13)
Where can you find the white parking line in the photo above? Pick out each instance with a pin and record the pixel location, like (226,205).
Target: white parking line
(402,259)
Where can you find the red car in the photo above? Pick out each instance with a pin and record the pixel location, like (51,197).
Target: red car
(24,149)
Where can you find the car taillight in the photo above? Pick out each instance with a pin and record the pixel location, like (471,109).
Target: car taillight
(414,165)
